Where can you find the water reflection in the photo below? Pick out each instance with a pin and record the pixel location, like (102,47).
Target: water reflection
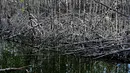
(51,62)
(104,70)
(128,68)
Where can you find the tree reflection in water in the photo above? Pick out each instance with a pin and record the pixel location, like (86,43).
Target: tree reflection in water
(15,56)
(128,68)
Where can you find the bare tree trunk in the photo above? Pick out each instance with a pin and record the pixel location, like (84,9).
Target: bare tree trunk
(0,10)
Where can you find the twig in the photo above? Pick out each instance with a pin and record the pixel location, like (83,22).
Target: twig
(111,8)
(14,69)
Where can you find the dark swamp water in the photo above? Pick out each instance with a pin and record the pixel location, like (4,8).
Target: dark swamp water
(19,56)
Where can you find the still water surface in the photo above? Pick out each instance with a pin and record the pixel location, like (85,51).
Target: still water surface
(15,56)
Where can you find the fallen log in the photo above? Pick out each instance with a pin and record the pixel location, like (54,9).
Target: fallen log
(113,52)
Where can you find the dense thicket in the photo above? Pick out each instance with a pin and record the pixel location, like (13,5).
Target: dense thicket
(68,24)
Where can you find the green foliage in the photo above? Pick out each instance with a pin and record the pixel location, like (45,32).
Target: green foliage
(9,56)
(10,60)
